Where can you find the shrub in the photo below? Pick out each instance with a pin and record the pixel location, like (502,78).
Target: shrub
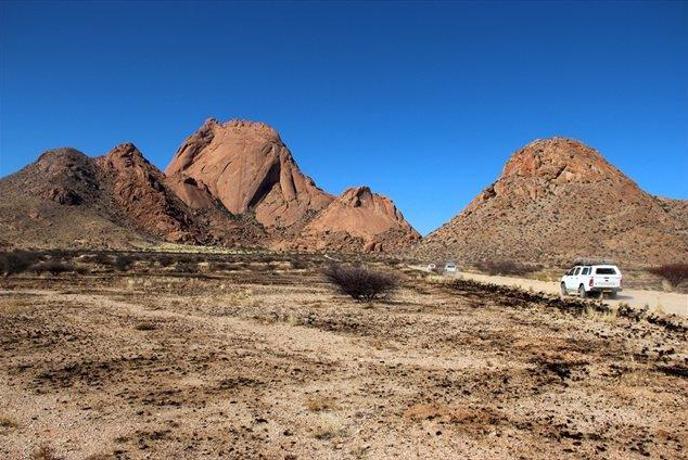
(360,283)
(186,267)
(504,267)
(55,268)
(165,260)
(675,274)
(16,262)
(298,263)
(123,262)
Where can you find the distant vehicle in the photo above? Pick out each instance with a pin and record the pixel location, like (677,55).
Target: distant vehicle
(589,279)
(432,267)
(450,267)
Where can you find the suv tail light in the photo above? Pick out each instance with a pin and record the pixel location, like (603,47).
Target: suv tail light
(591,280)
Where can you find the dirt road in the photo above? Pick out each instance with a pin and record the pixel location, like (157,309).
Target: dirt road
(668,302)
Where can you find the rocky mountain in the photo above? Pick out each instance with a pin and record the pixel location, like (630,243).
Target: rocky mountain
(118,200)
(558,199)
(360,218)
(59,201)
(232,184)
(246,166)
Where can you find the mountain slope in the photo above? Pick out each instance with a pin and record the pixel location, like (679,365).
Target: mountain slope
(231,184)
(58,201)
(245,166)
(558,199)
(68,199)
(360,218)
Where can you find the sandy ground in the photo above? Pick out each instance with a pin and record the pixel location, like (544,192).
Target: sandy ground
(667,302)
(274,364)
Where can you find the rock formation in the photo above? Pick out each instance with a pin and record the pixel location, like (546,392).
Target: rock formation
(232,184)
(558,199)
(360,218)
(246,167)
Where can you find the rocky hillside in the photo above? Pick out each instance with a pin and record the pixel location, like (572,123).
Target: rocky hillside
(232,184)
(360,218)
(558,199)
(245,166)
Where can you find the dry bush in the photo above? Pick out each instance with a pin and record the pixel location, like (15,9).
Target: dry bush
(675,274)
(44,453)
(505,267)
(145,326)
(7,423)
(328,426)
(55,268)
(123,262)
(320,403)
(16,262)
(360,283)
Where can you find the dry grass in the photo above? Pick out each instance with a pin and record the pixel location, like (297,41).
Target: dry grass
(321,403)
(7,423)
(224,374)
(328,426)
(44,453)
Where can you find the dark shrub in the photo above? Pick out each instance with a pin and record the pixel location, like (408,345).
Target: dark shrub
(675,274)
(55,268)
(16,262)
(165,260)
(123,262)
(360,283)
(504,267)
(298,263)
(186,267)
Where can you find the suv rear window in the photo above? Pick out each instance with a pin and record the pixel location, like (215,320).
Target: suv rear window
(605,271)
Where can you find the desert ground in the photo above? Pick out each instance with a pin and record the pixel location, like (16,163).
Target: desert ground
(255,357)
(675,303)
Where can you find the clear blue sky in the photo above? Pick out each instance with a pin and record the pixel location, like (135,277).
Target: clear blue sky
(424,102)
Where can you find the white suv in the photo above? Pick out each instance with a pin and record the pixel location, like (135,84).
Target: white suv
(588,279)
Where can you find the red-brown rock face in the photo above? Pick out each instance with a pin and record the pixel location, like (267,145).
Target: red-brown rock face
(231,184)
(246,167)
(359,214)
(139,190)
(558,199)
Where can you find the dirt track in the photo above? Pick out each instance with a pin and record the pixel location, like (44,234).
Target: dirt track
(273,364)
(668,302)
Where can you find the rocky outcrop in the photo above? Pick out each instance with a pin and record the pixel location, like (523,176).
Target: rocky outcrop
(246,166)
(138,188)
(361,218)
(558,199)
(231,184)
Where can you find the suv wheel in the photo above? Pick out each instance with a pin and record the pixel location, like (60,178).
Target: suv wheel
(563,290)
(581,292)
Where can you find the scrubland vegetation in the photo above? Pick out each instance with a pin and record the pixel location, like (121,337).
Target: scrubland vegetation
(170,355)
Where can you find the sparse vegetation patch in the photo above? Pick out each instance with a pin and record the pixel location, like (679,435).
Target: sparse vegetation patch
(675,274)
(361,283)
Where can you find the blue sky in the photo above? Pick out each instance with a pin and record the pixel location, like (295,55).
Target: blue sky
(424,102)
